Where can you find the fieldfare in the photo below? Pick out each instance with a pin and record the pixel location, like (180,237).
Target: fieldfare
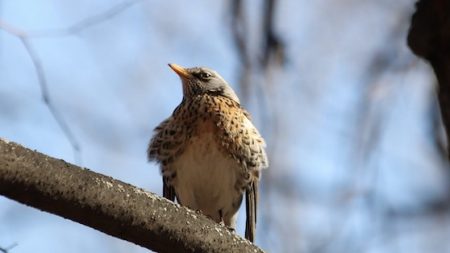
(209,151)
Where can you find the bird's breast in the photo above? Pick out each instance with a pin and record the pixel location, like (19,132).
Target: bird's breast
(205,127)
(206,176)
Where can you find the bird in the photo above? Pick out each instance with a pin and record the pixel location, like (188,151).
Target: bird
(210,153)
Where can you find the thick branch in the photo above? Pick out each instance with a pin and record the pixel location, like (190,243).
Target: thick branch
(108,205)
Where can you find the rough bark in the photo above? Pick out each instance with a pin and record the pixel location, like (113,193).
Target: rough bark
(429,38)
(109,205)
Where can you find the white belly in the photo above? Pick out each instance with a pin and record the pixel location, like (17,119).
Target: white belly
(206,178)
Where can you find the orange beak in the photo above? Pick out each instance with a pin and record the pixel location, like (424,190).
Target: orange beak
(182,72)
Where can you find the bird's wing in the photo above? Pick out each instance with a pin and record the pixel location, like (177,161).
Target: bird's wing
(168,142)
(155,148)
(164,147)
(239,136)
(251,204)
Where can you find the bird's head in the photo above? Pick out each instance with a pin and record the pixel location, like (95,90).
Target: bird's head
(200,80)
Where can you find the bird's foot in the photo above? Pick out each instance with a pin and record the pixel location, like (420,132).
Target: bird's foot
(231,229)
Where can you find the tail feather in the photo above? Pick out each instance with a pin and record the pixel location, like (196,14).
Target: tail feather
(251,201)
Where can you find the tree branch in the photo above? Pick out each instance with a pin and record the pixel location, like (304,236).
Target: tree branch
(429,38)
(8,249)
(109,205)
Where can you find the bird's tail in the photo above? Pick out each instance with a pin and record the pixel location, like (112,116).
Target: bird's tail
(251,200)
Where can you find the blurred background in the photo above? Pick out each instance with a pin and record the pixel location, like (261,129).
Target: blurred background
(349,113)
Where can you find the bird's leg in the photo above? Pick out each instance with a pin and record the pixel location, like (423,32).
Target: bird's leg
(221,217)
(222,222)
(231,229)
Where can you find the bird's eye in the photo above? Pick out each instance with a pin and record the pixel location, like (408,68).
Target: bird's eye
(204,75)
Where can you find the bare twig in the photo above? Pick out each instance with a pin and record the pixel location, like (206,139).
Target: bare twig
(42,80)
(240,39)
(273,48)
(7,249)
(47,100)
(87,22)
(25,37)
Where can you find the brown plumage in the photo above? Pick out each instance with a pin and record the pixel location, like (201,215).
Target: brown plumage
(209,151)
